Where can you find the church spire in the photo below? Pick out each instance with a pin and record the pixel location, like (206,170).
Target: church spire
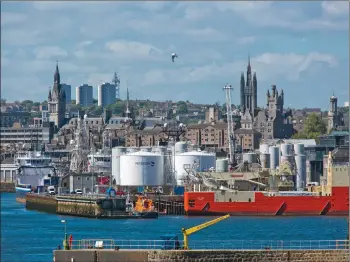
(57,75)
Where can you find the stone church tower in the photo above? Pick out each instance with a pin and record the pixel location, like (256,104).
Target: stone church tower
(333,113)
(248,91)
(57,101)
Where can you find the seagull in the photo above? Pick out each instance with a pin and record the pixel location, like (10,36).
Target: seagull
(173,55)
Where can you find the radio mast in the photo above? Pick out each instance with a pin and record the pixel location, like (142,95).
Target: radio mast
(230,129)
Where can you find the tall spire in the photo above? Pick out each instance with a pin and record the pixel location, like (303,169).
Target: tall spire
(249,72)
(57,75)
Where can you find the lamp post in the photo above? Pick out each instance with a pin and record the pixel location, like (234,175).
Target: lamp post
(65,242)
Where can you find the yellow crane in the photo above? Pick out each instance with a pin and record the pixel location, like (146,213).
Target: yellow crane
(187,232)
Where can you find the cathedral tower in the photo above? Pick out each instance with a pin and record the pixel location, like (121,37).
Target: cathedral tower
(248,90)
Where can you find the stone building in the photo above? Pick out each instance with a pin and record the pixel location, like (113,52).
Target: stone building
(249,87)
(335,118)
(57,101)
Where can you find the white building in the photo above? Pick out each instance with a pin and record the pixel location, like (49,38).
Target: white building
(84,95)
(106,94)
(68,91)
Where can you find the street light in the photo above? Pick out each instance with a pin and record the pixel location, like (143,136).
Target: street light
(65,242)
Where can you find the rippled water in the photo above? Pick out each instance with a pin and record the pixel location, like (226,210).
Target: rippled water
(32,236)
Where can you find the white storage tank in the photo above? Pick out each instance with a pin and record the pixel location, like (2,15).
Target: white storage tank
(159,149)
(250,158)
(286,149)
(265,160)
(289,159)
(116,153)
(141,169)
(204,160)
(145,149)
(274,156)
(300,164)
(132,149)
(180,147)
(299,149)
(264,148)
(221,165)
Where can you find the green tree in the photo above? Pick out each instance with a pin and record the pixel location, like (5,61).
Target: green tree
(27,104)
(181,107)
(313,127)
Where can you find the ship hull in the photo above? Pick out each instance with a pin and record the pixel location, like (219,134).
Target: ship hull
(21,194)
(205,204)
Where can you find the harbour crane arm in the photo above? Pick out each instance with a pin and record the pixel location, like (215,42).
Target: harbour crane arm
(187,232)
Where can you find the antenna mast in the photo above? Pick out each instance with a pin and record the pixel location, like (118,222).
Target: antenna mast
(116,82)
(230,130)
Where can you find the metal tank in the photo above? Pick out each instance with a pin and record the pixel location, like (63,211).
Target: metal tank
(274,156)
(286,149)
(221,165)
(300,164)
(204,160)
(159,149)
(289,159)
(132,149)
(264,148)
(145,149)
(141,169)
(299,149)
(180,147)
(265,160)
(250,158)
(116,153)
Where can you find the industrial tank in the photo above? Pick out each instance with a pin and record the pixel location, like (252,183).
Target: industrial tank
(289,159)
(299,149)
(250,158)
(204,160)
(145,149)
(180,147)
(116,153)
(300,164)
(159,149)
(141,169)
(221,165)
(265,160)
(274,156)
(132,149)
(287,149)
(264,148)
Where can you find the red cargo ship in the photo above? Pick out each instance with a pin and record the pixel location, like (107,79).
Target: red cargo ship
(331,200)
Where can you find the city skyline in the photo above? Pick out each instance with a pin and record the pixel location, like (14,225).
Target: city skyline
(300,47)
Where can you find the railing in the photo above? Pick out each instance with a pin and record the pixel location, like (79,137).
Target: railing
(212,244)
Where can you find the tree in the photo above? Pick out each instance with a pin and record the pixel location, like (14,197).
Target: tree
(313,127)
(181,107)
(73,102)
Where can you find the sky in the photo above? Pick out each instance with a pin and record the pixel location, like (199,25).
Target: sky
(301,47)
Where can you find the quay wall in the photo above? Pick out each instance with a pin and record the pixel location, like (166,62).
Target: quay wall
(7,187)
(41,203)
(201,255)
(85,209)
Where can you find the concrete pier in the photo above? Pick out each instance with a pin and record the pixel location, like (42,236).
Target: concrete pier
(201,255)
(7,187)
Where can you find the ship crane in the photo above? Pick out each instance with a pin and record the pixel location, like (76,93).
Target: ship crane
(187,232)
(230,130)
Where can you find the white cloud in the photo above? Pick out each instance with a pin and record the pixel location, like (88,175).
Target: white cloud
(133,49)
(12,18)
(195,11)
(336,8)
(268,66)
(246,40)
(48,52)
(209,34)
(19,37)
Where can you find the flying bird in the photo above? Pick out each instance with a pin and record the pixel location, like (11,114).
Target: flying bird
(173,55)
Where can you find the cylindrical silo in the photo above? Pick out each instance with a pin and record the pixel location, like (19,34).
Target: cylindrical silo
(274,156)
(132,149)
(265,160)
(221,165)
(145,149)
(180,147)
(141,169)
(159,149)
(264,148)
(204,162)
(250,158)
(286,149)
(300,163)
(116,153)
(299,149)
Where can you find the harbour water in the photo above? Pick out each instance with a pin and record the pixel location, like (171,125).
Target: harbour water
(32,236)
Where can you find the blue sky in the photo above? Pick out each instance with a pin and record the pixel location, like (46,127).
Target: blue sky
(301,47)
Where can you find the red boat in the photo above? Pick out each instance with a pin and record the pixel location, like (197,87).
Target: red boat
(331,199)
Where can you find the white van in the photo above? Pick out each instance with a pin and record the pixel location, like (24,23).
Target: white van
(51,190)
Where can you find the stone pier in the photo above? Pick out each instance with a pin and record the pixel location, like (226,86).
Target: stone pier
(97,255)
